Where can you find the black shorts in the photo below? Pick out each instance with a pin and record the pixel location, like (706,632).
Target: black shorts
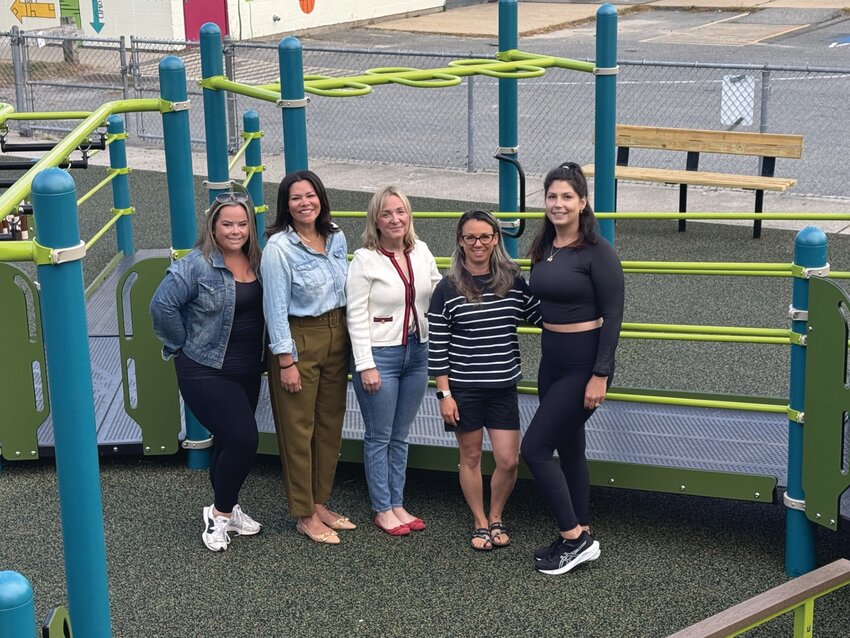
(496,408)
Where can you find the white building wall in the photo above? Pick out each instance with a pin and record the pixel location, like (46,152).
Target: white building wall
(164,18)
(143,18)
(256,18)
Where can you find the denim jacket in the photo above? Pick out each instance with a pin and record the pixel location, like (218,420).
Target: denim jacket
(301,282)
(193,308)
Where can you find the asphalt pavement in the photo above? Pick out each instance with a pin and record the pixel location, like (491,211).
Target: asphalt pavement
(713,31)
(739,31)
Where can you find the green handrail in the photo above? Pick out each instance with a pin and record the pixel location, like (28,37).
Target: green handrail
(43,115)
(837,217)
(17,250)
(18,191)
(87,196)
(797,596)
(114,220)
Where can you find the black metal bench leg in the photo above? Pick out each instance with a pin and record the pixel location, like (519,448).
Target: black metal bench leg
(683,206)
(759,209)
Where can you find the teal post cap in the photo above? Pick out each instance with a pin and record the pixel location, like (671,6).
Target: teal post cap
(210,28)
(810,236)
(53,181)
(170,64)
(289,42)
(606,9)
(15,591)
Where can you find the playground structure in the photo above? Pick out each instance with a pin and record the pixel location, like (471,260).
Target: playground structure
(148,387)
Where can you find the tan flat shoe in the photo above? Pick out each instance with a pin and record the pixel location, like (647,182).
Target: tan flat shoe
(343,523)
(328,538)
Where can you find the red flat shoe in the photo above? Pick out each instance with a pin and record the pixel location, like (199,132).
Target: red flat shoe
(416,525)
(400,530)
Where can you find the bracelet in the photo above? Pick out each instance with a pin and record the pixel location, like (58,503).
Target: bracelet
(289,366)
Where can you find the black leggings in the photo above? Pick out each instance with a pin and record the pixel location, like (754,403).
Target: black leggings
(224,403)
(558,424)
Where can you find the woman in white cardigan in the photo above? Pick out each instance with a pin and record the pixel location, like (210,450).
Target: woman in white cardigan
(388,291)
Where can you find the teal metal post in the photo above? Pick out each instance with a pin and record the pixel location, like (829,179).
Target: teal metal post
(606,116)
(121,184)
(810,251)
(66,344)
(17,609)
(254,159)
(215,112)
(292,102)
(508,117)
(181,198)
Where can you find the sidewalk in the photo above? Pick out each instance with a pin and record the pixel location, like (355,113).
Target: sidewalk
(481,20)
(484,187)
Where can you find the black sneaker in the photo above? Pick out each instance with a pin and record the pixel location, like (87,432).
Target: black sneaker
(542,552)
(567,554)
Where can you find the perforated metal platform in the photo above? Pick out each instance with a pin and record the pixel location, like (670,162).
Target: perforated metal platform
(671,436)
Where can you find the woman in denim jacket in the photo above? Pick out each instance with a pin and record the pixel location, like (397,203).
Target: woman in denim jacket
(389,288)
(304,267)
(208,313)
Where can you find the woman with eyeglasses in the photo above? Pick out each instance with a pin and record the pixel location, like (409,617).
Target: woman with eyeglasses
(389,286)
(208,313)
(474,356)
(304,268)
(579,280)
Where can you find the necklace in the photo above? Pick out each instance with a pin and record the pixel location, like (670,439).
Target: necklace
(553,252)
(309,241)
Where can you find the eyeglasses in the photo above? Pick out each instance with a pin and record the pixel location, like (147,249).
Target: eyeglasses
(231,198)
(486,239)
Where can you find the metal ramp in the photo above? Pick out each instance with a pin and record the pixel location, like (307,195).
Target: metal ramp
(660,436)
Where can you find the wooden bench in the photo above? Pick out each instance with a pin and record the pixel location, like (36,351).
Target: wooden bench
(791,596)
(768,146)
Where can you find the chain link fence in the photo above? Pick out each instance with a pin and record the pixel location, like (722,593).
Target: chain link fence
(454,127)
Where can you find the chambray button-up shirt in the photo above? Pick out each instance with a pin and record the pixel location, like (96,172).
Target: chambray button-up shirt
(301,282)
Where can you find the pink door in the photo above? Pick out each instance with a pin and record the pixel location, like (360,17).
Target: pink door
(198,12)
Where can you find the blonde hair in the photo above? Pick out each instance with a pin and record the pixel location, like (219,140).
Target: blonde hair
(371,235)
(206,242)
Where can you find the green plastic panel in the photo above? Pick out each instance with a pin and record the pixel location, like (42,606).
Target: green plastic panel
(57,624)
(157,405)
(676,480)
(268,444)
(827,402)
(23,350)
(671,480)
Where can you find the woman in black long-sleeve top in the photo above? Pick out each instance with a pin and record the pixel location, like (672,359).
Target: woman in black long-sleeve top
(579,280)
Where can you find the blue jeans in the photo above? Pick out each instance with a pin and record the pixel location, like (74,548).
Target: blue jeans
(388,415)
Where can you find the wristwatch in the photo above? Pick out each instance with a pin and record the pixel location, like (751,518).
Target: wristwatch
(443,394)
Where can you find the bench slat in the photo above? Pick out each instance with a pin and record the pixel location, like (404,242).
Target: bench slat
(770,602)
(697,178)
(707,141)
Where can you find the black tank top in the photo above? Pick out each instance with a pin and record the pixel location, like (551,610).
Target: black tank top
(245,347)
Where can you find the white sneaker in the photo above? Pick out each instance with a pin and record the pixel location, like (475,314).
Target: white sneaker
(215,535)
(242,524)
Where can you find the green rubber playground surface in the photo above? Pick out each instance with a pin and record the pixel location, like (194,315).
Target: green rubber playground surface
(667,561)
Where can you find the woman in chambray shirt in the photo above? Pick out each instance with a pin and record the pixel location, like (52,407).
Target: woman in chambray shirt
(304,268)
(208,313)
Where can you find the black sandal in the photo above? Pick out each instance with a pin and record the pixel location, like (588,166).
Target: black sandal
(498,529)
(484,534)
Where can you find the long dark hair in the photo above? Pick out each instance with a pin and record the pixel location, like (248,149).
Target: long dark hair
(503,271)
(283,221)
(571,173)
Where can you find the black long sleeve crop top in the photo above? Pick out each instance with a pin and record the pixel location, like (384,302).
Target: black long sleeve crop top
(583,284)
